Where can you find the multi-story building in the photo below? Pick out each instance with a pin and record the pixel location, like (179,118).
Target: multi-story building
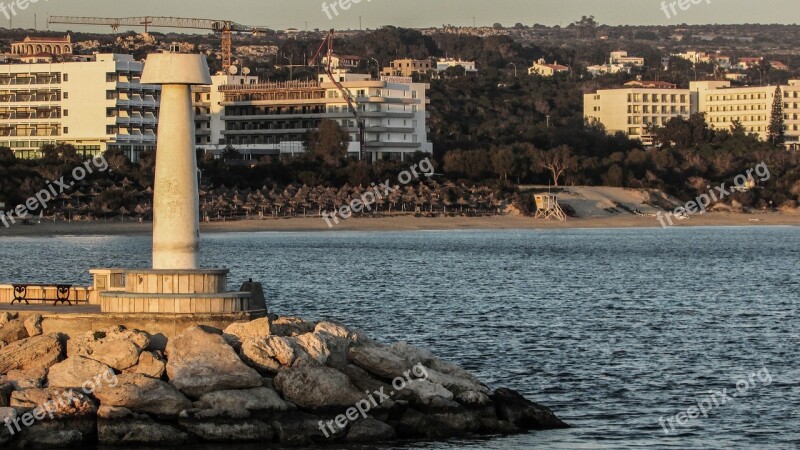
(94,105)
(260,119)
(621,57)
(633,109)
(751,107)
(407,67)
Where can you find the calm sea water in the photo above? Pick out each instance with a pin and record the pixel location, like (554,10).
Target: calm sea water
(611,328)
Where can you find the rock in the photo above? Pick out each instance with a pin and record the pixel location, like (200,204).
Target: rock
(314,346)
(6,388)
(200,362)
(338,341)
(33,325)
(57,402)
(223,431)
(378,359)
(237,333)
(113,412)
(27,379)
(316,387)
(6,317)
(370,430)
(273,353)
(39,352)
(300,429)
(414,355)
(473,398)
(256,399)
(415,424)
(140,393)
(290,326)
(79,372)
(150,364)
(455,384)
(117,347)
(138,429)
(525,414)
(13,331)
(425,392)
(7,415)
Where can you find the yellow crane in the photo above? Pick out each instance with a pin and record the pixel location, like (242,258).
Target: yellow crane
(225,27)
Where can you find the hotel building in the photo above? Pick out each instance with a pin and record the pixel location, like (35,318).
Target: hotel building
(632,109)
(260,119)
(94,105)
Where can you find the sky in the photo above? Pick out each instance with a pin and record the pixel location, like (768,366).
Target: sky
(282,14)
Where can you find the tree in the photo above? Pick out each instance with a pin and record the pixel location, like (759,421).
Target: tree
(329,143)
(502,161)
(557,160)
(497,26)
(231,154)
(777,133)
(7,157)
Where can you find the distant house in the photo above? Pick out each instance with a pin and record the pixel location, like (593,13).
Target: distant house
(444,64)
(407,67)
(543,69)
(622,58)
(343,61)
(42,46)
(608,69)
(748,63)
(777,65)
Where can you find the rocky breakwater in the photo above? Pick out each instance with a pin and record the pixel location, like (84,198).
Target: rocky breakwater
(272,380)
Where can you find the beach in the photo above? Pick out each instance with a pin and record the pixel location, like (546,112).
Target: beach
(406,223)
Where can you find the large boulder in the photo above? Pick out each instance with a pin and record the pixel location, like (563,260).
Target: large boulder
(143,394)
(232,430)
(236,333)
(314,346)
(116,347)
(525,414)
(378,359)
(316,387)
(151,364)
(441,425)
(13,331)
(54,402)
(78,372)
(290,326)
(120,427)
(257,399)
(428,393)
(38,352)
(370,430)
(454,383)
(414,355)
(7,415)
(199,362)
(273,353)
(33,324)
(27,378)
(338,339)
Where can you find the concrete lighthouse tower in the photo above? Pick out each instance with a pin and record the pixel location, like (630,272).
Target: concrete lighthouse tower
(176,227)
(175,285)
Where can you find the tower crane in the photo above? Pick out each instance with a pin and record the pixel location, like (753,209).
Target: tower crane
(327,44)
(224,27)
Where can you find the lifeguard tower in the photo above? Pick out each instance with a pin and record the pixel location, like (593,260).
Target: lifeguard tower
(547,208)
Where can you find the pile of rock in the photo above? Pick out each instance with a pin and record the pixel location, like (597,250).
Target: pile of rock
(270,380)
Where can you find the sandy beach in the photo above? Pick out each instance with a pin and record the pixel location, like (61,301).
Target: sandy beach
(406,223)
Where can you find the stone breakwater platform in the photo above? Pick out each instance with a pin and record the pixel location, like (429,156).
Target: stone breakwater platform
(278,381)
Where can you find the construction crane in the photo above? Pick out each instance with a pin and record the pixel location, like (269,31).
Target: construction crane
(327,43)
(224,27)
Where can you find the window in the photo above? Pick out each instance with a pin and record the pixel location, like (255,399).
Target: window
(66,77)
(66,130)
(66,113)
(66,95)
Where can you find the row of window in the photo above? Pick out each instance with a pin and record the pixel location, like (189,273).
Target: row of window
(664,98)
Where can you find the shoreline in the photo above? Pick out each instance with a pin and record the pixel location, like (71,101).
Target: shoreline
(405,223)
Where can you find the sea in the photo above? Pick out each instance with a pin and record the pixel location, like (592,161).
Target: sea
(680,338)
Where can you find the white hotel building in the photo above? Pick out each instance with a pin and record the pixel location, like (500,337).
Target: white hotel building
(100,104)
(93,105)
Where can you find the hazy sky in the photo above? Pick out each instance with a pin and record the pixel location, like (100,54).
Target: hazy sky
(280,14)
